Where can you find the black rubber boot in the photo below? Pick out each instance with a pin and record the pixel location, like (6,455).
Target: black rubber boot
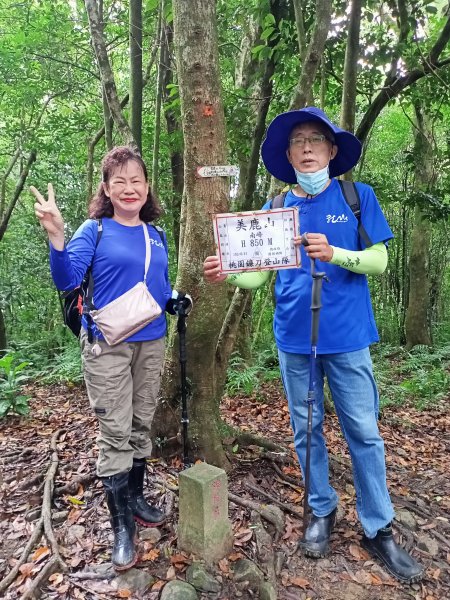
(317,536)
(145,514)
(124,553)
(394,558)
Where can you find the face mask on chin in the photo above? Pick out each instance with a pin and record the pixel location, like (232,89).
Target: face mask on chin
(313,183)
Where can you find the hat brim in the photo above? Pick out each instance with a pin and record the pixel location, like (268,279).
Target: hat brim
(273,149)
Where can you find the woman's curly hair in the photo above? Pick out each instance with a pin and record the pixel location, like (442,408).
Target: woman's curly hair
(101,206)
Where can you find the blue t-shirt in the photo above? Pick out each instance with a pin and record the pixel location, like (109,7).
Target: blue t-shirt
(117,266)
(346,321)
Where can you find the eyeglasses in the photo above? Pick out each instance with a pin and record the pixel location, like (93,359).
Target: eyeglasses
(313,140)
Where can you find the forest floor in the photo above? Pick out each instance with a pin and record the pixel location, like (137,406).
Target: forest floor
(417,448)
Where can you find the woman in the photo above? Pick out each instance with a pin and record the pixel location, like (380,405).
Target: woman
(122,380)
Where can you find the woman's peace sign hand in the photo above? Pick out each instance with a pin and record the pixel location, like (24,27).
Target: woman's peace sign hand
(49,216)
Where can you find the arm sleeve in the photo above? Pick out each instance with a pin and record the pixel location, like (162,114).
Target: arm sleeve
(251,280)
(371,261)
(68,266)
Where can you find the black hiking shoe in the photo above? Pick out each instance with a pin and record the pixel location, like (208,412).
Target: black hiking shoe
(143,512)
(124,554)
(315,543)
(395,559)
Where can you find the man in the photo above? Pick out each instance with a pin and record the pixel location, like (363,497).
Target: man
(305,148)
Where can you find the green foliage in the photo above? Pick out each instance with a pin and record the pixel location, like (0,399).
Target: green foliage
(64,367)
(11,380)
(246,379)
(420,377)
(428,378)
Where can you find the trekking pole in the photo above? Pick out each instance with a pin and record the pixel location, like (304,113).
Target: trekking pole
(316,305)
(181,328)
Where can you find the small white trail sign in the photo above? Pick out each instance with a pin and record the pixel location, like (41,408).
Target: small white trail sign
(257,240)
(218,171)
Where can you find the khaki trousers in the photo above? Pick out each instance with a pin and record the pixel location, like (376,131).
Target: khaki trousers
(123,384)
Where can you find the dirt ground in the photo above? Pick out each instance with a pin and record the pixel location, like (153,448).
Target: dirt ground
(417,449)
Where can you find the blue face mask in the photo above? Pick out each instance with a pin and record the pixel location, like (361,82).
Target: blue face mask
(313,183)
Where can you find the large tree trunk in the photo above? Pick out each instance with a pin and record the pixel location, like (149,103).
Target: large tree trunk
(136,82)
(416,323)
(205,144)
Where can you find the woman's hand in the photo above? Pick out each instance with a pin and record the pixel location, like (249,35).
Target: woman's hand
(49,216)
(211,270)
(318,246)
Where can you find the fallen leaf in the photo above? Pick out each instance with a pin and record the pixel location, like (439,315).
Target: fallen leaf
(158,585)
(170,573)
(27,569)
(151,555)
(40,553)
(299,582)
(75,501)
(224,566)
(234,556)
(124,593)
(355,551)
(56,578)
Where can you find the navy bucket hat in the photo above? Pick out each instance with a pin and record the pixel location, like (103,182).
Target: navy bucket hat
(273,150)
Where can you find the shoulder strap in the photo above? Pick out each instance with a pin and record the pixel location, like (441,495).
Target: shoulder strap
(90,280)
(278,201)
(160,231)
(351,196)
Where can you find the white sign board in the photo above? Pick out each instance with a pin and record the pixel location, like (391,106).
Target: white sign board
(257,240)
(218,171)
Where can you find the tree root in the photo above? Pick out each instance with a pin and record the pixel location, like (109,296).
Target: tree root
(264,548)
(273,500)
(261,509)
(44,525)
(72,487)
(245,438)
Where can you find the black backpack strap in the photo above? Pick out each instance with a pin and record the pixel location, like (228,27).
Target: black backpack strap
(351,196)
(278,201)
(89,289)
(160,231)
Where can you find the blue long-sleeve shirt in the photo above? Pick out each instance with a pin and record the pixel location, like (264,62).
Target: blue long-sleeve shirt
(117,265)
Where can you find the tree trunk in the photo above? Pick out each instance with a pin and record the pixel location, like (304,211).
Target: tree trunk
(348,104)
(136,83)
(106,74)
(314,53)
(17,191)
(417,329)
(173,127)
(108,126)
(205,144)
(158,103)
(3,338)
(107,119)
(228,335)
